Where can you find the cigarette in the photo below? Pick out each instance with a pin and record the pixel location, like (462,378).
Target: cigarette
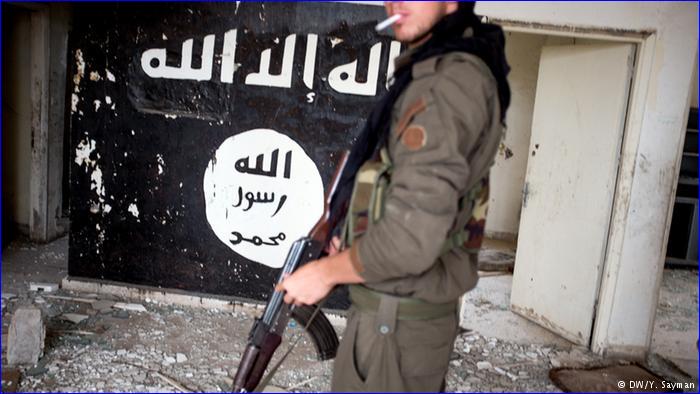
(387,22)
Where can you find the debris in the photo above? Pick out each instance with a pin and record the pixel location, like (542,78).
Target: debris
(300,384)
(130,307)
(499,371)
(103,305)
(180,358)
(120,314)
(8,296)
(274,389)
(168,360)
(172,382)
(38,369)
(39,300)
(77,332)
(64,298)
(483,365)
(73,317)
(43,287)
(26,336)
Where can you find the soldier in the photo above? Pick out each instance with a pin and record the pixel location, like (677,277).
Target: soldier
(416,189)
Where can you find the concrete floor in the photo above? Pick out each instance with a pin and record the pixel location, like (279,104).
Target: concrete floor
(128,353)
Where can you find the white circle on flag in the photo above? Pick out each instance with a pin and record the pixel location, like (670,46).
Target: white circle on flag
(262,192)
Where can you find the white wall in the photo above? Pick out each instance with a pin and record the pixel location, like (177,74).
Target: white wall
(508,172)
(650,153)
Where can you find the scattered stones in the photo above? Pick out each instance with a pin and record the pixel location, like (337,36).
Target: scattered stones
(26,336)
(481,365)
(180,358)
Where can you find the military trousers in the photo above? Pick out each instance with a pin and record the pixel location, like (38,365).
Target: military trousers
(382,353)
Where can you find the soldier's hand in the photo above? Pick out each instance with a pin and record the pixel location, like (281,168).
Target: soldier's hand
(307,285)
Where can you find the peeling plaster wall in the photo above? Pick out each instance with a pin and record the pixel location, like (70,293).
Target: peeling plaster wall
(16,120)
(650,153)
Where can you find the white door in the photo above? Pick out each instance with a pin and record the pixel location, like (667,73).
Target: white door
(577,129)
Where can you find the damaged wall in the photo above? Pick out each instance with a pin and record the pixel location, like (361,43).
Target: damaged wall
(667,35)
(202,142)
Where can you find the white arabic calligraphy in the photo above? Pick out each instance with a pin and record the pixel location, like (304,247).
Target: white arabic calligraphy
(284,79)
(185,71)
(342,78)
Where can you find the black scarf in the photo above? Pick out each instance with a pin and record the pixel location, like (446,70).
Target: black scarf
(487,43)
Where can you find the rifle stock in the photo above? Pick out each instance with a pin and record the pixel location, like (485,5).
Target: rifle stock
(266,334)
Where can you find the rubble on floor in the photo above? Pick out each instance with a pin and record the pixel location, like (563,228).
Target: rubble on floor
(168,347)
(101,343)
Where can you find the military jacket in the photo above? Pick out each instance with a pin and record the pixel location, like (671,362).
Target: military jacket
(444,135)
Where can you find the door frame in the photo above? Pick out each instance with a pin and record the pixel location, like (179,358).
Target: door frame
(47,72)
(645,42)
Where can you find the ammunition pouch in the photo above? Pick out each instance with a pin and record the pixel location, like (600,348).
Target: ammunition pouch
(368,200)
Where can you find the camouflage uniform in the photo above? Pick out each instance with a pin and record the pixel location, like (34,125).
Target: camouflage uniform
(415,260)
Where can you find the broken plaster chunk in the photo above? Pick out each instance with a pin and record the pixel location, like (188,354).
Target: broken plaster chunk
(26,336)
(180,358)
(481,365)
(130,307)
(44,287)
(74,318)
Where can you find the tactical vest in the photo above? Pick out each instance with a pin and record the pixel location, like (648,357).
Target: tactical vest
(368,200)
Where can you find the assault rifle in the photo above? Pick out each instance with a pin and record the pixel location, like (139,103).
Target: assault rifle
(266,334)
